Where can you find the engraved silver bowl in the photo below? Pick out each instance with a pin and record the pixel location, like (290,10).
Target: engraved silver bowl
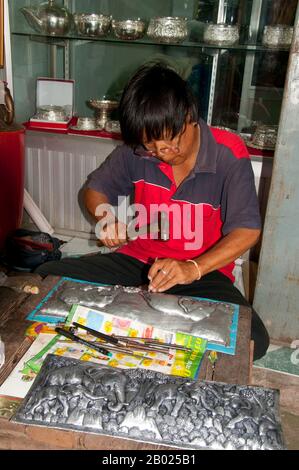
(264,137)
(129,29)
(86,123)
(107,105)
(168,29)
(277,36)
(221,34)
(93,24)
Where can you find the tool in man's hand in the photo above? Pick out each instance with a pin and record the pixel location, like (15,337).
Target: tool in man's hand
(160,228)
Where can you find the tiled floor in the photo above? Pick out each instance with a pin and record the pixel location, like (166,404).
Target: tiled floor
(281,358)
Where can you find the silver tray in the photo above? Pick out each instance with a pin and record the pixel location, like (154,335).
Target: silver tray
(76,128)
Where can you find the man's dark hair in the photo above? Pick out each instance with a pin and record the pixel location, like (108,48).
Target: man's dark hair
(155,100)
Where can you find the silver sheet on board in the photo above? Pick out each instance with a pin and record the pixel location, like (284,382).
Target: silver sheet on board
(203,318)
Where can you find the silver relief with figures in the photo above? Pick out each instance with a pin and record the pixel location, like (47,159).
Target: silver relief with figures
(151,407)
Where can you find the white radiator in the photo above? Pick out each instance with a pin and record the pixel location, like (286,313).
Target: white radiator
(56,169)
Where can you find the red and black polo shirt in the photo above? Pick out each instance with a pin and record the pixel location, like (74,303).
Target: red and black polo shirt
(220,188)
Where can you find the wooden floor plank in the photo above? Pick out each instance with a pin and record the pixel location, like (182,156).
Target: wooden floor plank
(12,332)
(236,369)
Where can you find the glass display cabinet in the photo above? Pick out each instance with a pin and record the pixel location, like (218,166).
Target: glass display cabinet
(234,54)
(239,81)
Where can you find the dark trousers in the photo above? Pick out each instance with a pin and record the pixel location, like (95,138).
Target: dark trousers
(116,268)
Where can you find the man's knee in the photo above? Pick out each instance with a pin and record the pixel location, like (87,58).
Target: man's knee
(51,267)
(260,336)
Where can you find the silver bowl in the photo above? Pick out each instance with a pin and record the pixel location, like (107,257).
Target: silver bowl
(93,24)
(265,137)
(168,29)
(221,34)
(86,123)
(277,36)
(107,105)
(129,29)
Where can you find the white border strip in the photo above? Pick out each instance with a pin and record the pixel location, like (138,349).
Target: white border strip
(7,45)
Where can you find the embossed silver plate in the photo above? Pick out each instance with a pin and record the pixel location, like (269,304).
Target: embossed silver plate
(151,407)
(199,317)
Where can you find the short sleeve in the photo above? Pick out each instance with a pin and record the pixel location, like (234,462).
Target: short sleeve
(113,177)
(239,205)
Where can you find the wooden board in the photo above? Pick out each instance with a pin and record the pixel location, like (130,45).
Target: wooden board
(236,369)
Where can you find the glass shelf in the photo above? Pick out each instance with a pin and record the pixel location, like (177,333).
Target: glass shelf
(147,41)
(236,86)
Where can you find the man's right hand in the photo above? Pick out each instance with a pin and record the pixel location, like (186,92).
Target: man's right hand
(109,230)
(113,234)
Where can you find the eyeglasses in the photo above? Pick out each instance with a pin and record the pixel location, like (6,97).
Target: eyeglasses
(167,145)
(142,151)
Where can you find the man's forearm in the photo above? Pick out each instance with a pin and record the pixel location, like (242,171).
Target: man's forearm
(92,200)
(227,249)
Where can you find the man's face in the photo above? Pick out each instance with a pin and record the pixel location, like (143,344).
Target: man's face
(172,151)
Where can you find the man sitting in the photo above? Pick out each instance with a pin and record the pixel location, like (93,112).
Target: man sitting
(172,160)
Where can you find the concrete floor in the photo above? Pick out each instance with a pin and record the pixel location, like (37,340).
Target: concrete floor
(290,426)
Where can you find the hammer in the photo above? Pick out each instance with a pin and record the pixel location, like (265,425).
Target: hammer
(160,226)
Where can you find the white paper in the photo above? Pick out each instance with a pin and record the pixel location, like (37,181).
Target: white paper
(14,385)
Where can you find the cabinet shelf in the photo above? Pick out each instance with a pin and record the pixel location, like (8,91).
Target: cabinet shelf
(145,41)
(236,86)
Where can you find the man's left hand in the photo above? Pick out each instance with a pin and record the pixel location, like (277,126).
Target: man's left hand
(166,273)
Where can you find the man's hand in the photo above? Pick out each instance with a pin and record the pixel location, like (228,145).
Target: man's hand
(166,273)
(113,234)
(109,230)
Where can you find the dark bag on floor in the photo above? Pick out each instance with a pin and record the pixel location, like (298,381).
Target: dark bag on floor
(26,249)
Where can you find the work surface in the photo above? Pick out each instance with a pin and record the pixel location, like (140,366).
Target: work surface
(13,311)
